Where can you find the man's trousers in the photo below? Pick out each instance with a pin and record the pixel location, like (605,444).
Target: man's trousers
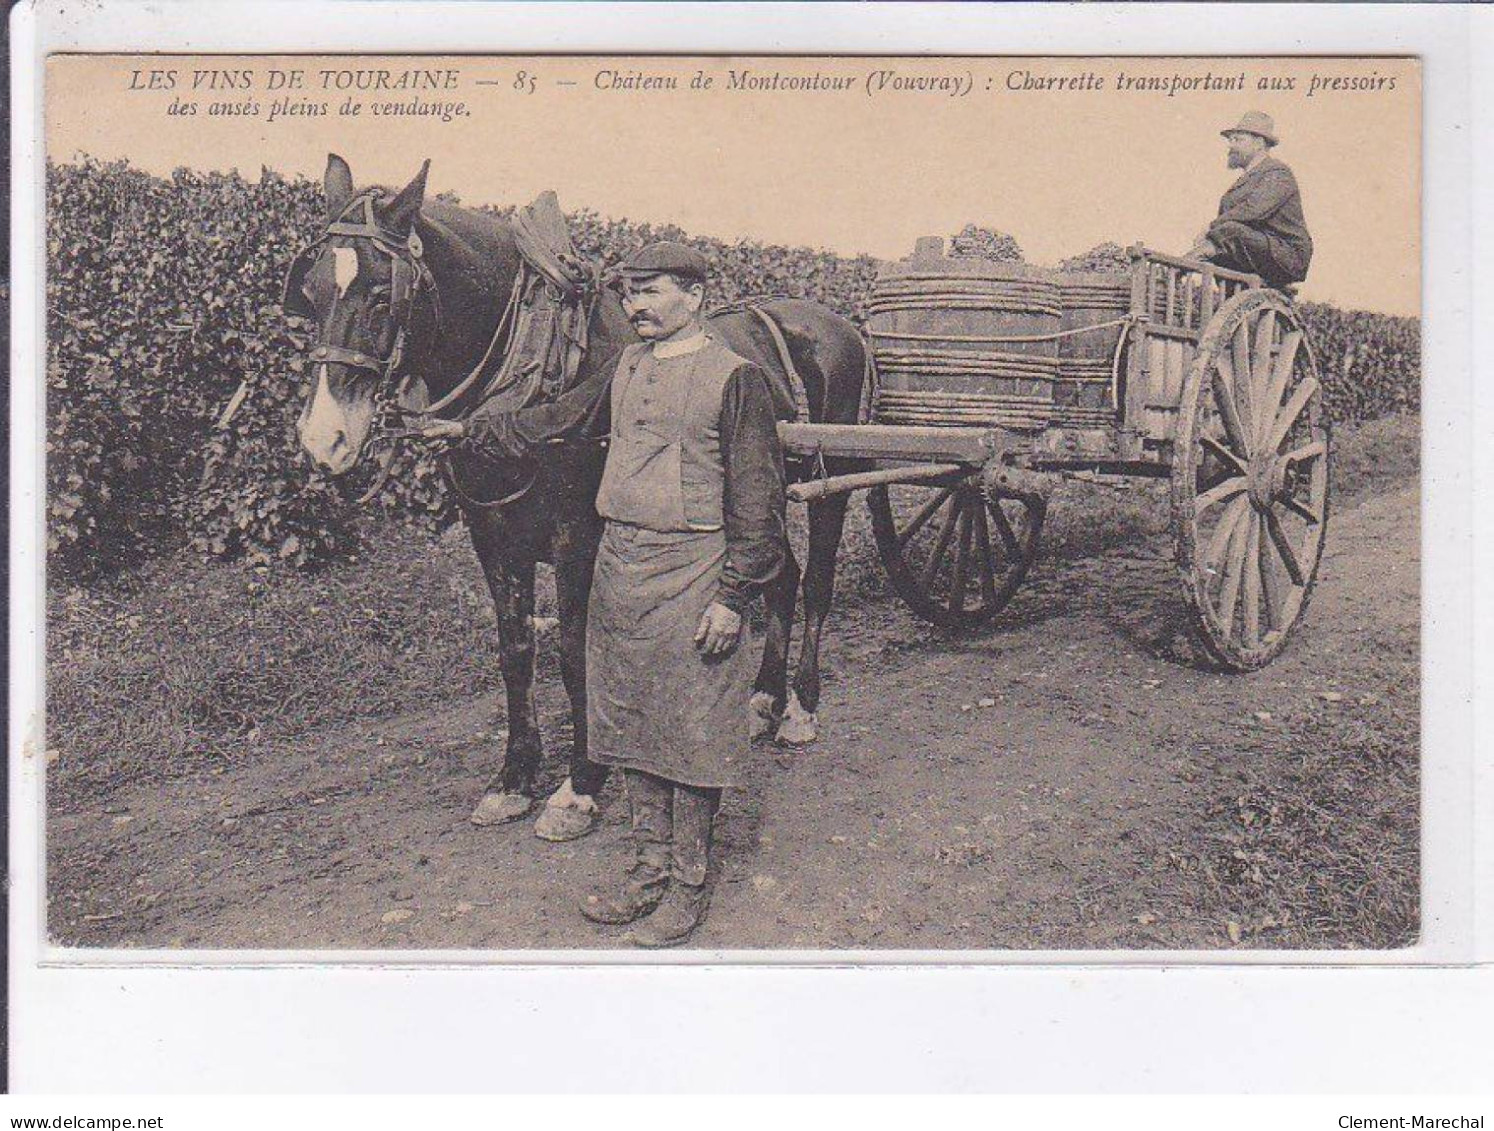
(671,825)
(1243,248)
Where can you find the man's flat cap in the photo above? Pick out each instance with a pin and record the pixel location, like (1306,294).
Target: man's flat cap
(667,257)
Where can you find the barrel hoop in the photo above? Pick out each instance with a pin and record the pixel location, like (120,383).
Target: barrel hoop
(935,356)
(1084,369)
(964,302)
(1013,410)
(975,372)
(996,339)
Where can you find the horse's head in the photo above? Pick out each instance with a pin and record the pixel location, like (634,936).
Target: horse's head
(358,284)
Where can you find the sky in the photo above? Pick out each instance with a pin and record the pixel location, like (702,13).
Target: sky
(1050,151)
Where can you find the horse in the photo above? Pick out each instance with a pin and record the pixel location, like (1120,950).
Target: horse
(399,287)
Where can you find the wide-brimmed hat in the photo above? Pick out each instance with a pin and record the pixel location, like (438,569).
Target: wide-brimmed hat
(666,257)
(1254,123)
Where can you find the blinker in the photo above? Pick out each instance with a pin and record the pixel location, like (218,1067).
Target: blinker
(294,300)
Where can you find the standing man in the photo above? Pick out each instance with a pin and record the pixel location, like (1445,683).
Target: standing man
(1259,229)
(693,498)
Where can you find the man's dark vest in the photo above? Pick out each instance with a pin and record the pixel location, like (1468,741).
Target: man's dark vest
(665,469)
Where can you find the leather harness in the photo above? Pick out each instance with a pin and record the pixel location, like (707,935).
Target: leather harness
(496,373)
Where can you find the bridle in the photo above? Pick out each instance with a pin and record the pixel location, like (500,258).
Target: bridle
(410,279)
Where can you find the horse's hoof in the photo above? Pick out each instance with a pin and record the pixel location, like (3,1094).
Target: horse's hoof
(568,815)
(500,808)
(761,718)
(799,727)
(564,824)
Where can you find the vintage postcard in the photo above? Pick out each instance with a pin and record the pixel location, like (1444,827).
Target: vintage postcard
(776,504)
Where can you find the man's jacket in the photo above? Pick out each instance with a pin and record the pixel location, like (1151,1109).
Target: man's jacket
(1266,198)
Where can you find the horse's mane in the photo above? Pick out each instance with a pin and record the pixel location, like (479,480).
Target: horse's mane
(470,224)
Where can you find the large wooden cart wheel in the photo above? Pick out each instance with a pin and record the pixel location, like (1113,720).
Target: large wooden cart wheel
(952,555)
(1250,479)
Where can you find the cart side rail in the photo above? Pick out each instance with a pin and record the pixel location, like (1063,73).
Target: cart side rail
(1172,301)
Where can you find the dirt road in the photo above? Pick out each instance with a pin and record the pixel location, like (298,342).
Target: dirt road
(1034,788)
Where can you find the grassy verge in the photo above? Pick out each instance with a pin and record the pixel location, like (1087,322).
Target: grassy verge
(1311,841)
(1307,832)
(183,663)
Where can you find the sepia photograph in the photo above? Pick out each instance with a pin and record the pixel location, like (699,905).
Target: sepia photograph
(770,504)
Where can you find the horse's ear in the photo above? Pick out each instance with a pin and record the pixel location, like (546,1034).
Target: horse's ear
(399,214)
(337,184)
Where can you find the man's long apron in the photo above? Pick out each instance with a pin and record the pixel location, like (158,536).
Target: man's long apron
(653,701)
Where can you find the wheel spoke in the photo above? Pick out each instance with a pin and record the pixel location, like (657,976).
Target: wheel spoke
(1271,585)
(962,558)
(1244,401)
(1252,570)
(1229,457)
(1234,428)
(1218,494)
(983,559)
(935,563)
(1297,506)
(1284,548)
(1316,450)
(925,513)
(1300,398)
(1226,372)
(1008,535)
(1261,359)
(1229,593)
(1224,532)
(1281,376)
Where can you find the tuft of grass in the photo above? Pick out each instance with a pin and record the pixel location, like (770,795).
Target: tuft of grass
(1375,456)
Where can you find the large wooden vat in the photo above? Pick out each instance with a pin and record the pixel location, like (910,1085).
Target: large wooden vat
(962,341)
(975,342)
(1084,395)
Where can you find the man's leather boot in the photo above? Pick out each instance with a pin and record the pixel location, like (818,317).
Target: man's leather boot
(682,909)
(638,893)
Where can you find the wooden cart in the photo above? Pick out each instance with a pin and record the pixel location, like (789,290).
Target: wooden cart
(995,378)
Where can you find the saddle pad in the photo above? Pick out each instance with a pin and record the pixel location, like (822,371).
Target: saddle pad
(548,311)
(544,240)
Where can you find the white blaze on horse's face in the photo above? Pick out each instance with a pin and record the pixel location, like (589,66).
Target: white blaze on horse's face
(339,413)
(344,268)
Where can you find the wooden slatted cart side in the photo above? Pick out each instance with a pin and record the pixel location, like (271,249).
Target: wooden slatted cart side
(1172,302)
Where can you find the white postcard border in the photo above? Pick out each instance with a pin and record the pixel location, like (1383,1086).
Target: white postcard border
(456,990)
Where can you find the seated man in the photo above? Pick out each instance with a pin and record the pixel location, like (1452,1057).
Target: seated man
(1259,229)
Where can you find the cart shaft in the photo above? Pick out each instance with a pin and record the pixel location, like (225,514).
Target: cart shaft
(972,446)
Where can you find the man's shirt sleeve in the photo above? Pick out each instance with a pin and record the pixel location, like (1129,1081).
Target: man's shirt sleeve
(583,413)
(753,494)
